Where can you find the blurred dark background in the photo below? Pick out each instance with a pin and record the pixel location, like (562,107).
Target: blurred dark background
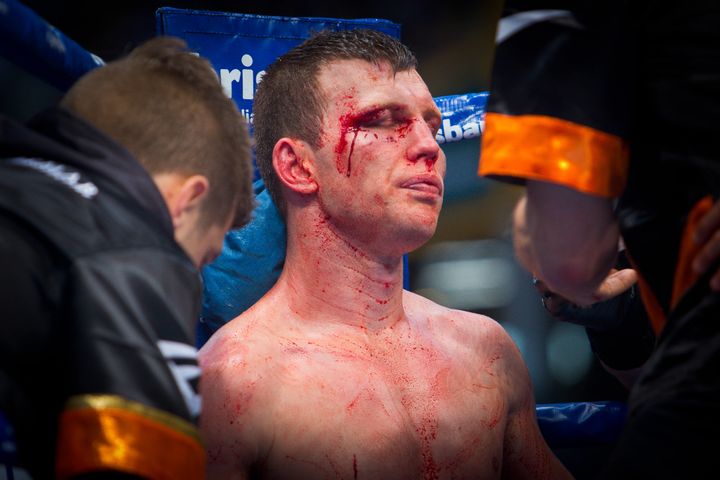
(469,263)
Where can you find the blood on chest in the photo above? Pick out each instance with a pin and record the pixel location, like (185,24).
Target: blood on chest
(421,411)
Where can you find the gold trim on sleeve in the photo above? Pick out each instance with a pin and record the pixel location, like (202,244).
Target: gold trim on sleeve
(107,432)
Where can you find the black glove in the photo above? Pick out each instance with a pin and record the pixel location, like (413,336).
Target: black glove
(630,342)
(605,316)
(618,329)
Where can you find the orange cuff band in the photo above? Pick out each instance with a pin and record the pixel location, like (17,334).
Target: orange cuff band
(106,432)
(536,147)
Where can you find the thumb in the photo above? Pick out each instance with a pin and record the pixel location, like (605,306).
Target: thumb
(617,282)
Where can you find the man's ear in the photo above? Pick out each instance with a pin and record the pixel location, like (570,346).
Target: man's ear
(185,197)
(293,161)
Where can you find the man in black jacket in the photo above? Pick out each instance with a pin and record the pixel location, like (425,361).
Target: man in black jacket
(108,205)
(609,113)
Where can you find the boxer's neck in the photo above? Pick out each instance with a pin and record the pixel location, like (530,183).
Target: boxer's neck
(329,278)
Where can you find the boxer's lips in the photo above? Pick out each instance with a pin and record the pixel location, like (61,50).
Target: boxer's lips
(428,184)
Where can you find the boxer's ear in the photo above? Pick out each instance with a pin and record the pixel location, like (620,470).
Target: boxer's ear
(294,165)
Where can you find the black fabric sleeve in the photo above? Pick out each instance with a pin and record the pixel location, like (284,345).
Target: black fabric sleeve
(567,68)
(632,340)
(30,291)
(122,304)
(131,363)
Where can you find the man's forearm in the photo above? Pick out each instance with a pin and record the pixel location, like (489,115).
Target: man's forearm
(567,238)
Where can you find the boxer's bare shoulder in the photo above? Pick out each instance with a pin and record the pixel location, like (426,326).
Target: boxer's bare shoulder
(465,329)
(476,340)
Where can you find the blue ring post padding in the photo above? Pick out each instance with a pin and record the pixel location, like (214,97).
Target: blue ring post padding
(463,116)
(581,424)
(36,46)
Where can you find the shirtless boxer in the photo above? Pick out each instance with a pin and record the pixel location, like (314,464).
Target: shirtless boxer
(338,372)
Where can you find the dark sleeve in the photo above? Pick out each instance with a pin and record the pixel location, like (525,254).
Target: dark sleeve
(32,279)
(559,105)
(29,289)
(132,367)
(631,341)
(619,329)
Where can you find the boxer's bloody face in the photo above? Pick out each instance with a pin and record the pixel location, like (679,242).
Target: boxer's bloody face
(380,170)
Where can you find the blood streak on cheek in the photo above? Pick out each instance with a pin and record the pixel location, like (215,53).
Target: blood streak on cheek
(347,124)
(352,147)
(351,122)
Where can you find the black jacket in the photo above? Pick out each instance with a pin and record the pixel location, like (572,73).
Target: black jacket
(622,99)
(98,308)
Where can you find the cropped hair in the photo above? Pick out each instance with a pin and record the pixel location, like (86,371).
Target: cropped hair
(166,106)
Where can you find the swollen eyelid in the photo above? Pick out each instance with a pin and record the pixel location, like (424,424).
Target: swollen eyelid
(370,118)
(379,122)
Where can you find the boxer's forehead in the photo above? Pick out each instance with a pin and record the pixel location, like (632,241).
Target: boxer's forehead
(357,84)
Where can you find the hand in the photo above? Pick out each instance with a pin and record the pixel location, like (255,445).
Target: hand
(617,282)
(604,311)
(617,325)
(707,235)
